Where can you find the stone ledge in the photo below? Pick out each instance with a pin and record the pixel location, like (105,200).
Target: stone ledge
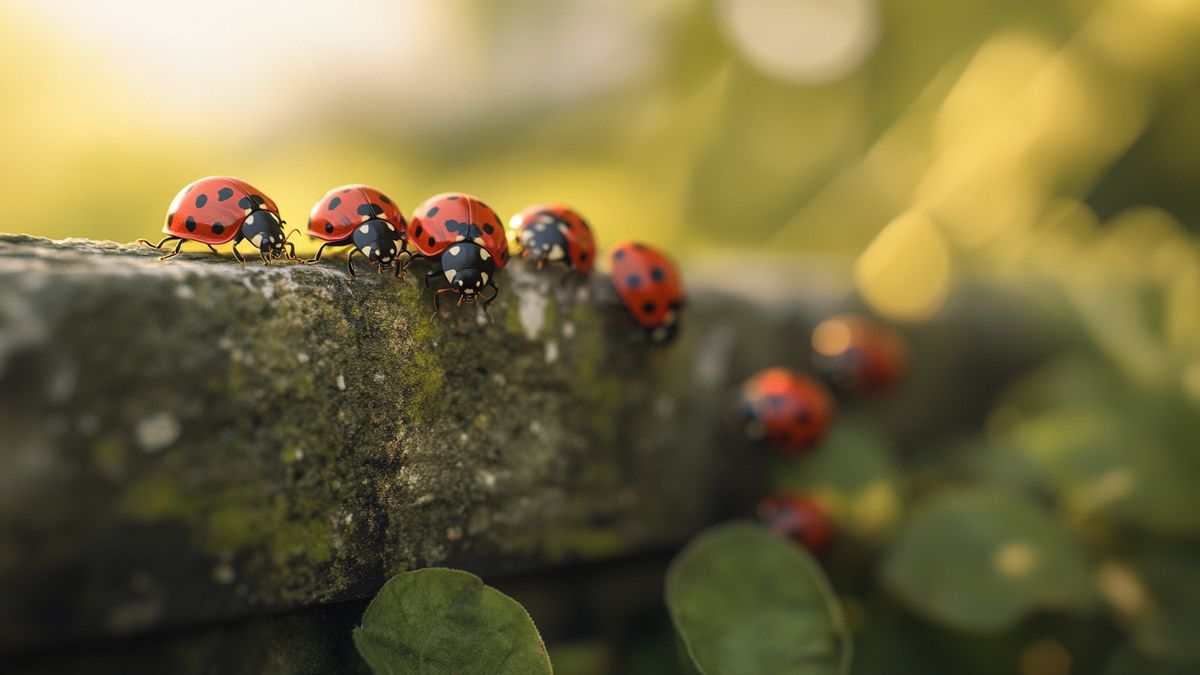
(192,441)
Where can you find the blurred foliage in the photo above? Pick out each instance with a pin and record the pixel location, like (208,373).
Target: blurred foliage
(982,559)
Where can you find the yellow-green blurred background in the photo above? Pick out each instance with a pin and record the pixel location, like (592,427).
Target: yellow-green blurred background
(914,141)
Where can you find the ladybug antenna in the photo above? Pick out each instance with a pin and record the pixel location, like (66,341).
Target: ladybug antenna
(295,230)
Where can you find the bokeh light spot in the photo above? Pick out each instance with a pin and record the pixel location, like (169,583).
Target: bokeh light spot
(905,272)
(1015,560)
(802,41)
(1045,657)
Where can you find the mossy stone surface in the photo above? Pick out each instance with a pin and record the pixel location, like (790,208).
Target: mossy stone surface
(190,441)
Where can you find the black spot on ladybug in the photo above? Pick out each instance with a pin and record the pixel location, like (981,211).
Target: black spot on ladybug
(464,230)
(658,274)
(369,209)
(640,247)
(385,199)
(201,201)
(583,257)
(418,230)
(648,308)
(190,224)
(244,202)
(774,401)
(224,193)
(218,228)
(453,198)
(633,281)
(487,227)
(258,199)
(432,241)
(334,203)
(802,416)
(432,212)
(619,254)
(329,227)
(345,191)
(170,217)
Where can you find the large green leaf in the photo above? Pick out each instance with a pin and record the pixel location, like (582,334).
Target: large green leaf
(746,602)
(446,622)
(981,559)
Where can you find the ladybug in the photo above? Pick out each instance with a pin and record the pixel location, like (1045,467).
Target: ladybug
(465,239)
(650,288)
(363,218)
(798,518)
(853,353)
(555,233)
(220,209)
(788,412)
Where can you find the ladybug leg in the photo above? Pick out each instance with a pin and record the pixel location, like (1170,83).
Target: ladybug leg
(172,254)
(494,287)
(291,251)
(212,248)
(316,259)
(430,275)
(237,255)
(159,245)
(350,261)
(436,305)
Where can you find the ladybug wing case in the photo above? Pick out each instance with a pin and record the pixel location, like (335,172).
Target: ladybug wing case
(210,210)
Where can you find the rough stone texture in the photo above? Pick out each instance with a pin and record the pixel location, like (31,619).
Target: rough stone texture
(190,441)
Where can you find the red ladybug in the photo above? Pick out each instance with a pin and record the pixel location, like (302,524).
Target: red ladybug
(650,288)
(790,413)
(856,354)
(219,209)
(465,239)
(799,519)
(363,218)
(555,233)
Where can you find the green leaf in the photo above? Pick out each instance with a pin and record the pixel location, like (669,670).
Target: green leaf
(746,602)
(446,622)
(1108,449)
(1125,660)
(981,559)
(1155,591)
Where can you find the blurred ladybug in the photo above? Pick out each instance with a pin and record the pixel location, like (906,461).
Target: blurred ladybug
(554,233)
(798,518)
(219,209)
(853,353)
(650,288)
(790,413)
(465,239)
(363,218)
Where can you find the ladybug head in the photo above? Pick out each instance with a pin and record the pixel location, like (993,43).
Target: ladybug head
(468,268)
(376,238)
(544,239)
(264,229)
(665,332)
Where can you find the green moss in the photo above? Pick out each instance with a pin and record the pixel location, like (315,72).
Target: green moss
(153,498)
(108,456)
